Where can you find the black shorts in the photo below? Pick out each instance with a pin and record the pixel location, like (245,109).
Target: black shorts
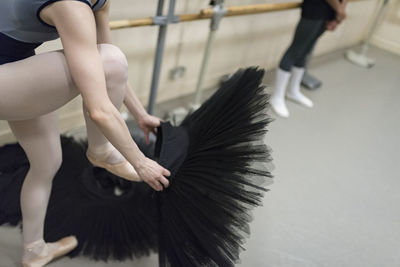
(13,50)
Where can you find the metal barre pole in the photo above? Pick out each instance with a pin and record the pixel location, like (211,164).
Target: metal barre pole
(219,11)
(159,51)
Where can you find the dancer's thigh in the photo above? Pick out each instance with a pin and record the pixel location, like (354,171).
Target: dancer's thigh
(35,86)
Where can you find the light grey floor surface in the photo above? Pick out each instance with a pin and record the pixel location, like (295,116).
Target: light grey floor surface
(335,201)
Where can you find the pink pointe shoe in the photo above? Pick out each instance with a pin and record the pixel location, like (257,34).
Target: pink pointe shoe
(123,169)
(61,248)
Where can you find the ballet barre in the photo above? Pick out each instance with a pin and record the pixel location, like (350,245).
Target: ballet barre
(207,13)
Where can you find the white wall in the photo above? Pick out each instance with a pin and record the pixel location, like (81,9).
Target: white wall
(387,34)
(241,41)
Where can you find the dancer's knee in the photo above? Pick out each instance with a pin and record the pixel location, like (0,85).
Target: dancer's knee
(47,167)
(115,64)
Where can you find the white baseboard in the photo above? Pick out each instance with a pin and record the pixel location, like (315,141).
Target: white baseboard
(385,44)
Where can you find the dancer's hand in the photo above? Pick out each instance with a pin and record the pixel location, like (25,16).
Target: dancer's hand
(341,13)
(153,174)
(148,123)
(331,25)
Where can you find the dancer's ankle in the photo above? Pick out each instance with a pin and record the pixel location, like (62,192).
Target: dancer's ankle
(105,153)
(33,249)
(98,149)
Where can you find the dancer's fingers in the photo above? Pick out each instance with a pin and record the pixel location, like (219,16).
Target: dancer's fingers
(166,173)
(146,137)
(164,181)
(156,186)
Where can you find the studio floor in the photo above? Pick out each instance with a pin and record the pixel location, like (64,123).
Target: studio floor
(335,199)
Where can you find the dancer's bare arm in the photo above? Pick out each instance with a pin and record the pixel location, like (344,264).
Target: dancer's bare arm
(76,26)
(145,121)
(103,24)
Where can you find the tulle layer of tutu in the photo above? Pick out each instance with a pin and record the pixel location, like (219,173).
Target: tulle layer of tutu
(206,211)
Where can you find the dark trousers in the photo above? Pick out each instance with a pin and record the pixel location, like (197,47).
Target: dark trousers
(307,33)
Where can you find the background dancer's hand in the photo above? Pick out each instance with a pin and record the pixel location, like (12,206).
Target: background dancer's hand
(153,174)
(331,25)
(341,13)
(148,123)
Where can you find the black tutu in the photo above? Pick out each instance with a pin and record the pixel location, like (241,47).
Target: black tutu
(217,160)
(215,181)
(112,218)
(14,166)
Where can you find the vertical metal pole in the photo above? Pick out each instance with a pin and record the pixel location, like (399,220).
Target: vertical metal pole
(197,100)
(160,7)
(365,46)
(219,13)
(361,58)
(162,32)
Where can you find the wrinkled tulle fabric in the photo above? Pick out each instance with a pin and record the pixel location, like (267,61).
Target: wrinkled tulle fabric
(205,213)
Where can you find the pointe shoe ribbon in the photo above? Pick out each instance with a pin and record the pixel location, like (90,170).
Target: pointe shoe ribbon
(65,245)
(123,169)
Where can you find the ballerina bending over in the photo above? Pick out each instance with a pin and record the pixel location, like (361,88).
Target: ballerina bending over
(33,86)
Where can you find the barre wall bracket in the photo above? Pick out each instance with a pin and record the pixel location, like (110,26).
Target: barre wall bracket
(163,20)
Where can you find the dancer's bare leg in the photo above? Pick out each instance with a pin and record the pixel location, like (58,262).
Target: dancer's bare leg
(30,89)
(41,84)
(40,139)
(115,67)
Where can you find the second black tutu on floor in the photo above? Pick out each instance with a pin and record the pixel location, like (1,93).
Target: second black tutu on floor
(14,166)
(112,218)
